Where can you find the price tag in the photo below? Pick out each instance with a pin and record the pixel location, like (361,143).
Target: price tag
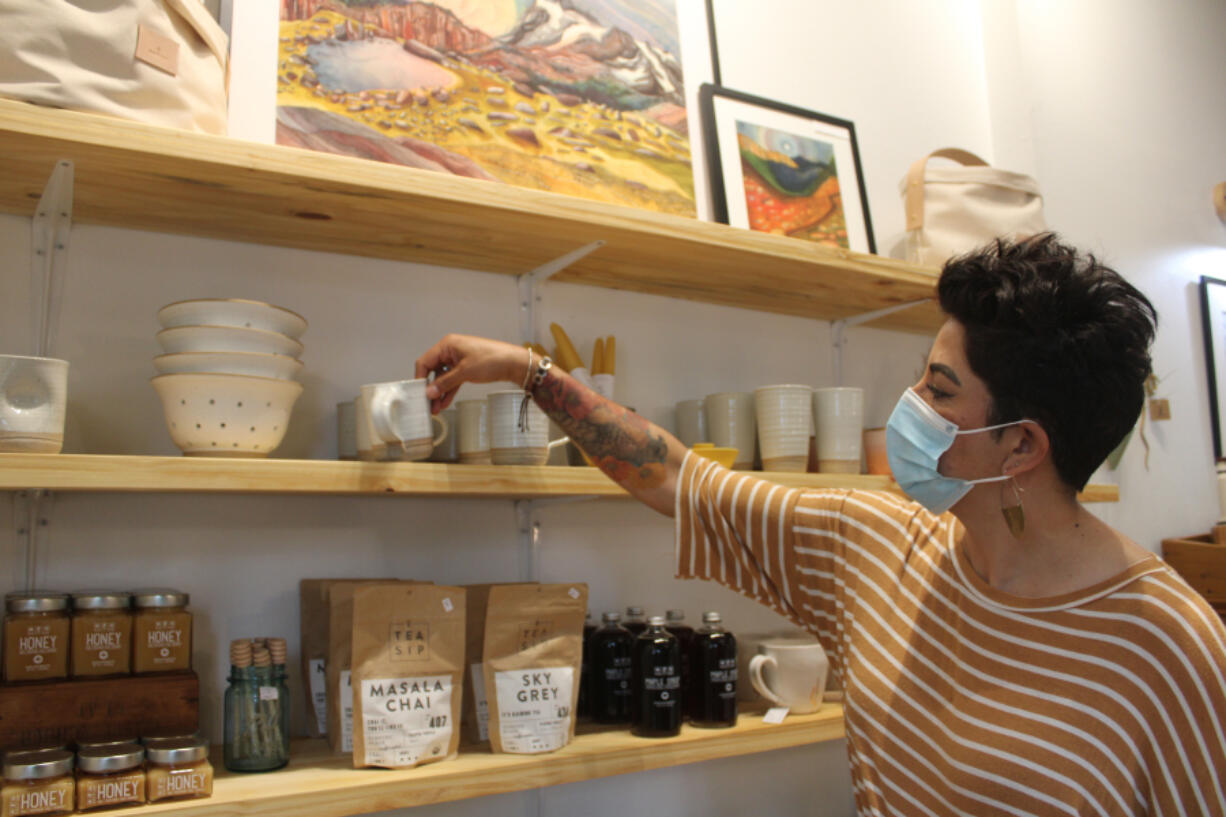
(775,715)
(447,605)
(573,593)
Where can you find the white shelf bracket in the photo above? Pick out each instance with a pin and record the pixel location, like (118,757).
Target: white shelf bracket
(30,522)
(49,229)
(529,288)
(838,332)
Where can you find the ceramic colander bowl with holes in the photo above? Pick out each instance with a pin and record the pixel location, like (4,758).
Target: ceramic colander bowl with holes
(226,415)
(250,363)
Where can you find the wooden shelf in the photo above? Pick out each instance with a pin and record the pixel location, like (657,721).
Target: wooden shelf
(320,784)
(143,177)
(112,473)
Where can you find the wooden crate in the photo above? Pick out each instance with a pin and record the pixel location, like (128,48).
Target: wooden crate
(55,713)
(1202,565)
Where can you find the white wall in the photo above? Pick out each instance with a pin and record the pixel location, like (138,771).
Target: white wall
(1113,106)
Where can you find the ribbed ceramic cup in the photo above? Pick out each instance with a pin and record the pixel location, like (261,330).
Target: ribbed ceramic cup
(511,445)
(400,417)
(784,416)
(730,424)
(449,449)
(473,431)
(839,414)
(691,423)
(33,402)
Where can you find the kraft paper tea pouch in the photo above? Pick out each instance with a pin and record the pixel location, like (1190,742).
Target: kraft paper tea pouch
(532,655)
(313,620)
(339,697)
(475,718)
(408,669)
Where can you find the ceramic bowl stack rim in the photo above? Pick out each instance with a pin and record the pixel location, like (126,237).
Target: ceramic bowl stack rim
(229,377)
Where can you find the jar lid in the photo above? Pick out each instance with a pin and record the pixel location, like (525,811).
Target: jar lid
(36,601)
(94,744)
(634,611)
(711,617)
(610,618)
(101,600)
(655,621)
(675,615)
(37,765)
(172,751)
(159,597)
(115,758)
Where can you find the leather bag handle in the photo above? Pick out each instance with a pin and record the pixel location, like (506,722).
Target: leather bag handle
(914,198)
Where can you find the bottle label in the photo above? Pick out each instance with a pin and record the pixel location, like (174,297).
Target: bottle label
(481,703)
(319,692)
(346,712)
(268,694)
(534,708)
(406,720)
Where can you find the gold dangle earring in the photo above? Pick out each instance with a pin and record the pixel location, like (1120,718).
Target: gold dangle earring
(1015,515)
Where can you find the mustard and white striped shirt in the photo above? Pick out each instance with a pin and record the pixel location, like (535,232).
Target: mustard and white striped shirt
(960,699)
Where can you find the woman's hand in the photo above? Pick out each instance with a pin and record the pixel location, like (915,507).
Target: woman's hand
(458,359)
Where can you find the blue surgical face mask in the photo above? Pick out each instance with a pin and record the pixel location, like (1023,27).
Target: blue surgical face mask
(915,437)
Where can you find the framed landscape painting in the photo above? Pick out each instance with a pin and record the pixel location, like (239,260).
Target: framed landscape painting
(784,170)
(584,97)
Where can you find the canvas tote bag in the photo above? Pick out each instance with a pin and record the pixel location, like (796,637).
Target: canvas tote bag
(952,210)
(156,61)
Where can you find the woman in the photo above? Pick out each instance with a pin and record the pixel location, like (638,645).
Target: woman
(1014,656)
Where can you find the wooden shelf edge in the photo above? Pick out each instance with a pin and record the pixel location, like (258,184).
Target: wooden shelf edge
(106,473)
(140,176)
(321,784)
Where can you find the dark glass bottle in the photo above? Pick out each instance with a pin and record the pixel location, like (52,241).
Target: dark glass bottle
(612,661)
(657,682)
(635,622)
(674,622)
(585,669)
(711,695)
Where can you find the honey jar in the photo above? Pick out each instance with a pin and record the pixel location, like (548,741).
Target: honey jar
(178,768)
(162,635)
(35,636)
(101,633)
(110,775)
(37,783)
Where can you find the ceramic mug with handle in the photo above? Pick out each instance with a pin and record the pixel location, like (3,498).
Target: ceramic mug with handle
(512,443)
(790,672)
(400,416)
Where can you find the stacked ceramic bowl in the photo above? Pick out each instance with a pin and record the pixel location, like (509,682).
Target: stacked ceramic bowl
(229,376)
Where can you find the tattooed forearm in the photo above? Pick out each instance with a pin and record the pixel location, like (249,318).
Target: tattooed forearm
(632,451)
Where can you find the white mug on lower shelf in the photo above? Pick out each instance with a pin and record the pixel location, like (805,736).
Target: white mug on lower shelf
(33,397)
(511,444)
(790,672)
(400,416)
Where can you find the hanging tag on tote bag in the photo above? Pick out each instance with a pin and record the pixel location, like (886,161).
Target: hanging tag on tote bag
(157,50)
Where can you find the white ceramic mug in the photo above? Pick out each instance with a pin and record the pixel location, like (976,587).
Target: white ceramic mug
(790,672)
(731,424)
(508,444)
(691,423)
(784,416)
(346,431)
(448,450)
(400,416)
(473,431)
(839,413)
(33,402)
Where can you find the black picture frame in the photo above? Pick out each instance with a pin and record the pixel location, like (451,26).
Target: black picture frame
(717,102)
(1213,317)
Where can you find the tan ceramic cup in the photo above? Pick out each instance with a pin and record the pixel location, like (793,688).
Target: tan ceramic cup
(784,418)
(731,424)
(877,460)
(473,431)
(839,415)
(691,423)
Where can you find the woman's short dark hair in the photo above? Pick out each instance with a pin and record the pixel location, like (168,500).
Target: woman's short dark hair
(1059,339)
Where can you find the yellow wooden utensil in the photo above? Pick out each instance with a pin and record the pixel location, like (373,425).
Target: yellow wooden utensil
(598,357)
(566,350)
(610,355)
